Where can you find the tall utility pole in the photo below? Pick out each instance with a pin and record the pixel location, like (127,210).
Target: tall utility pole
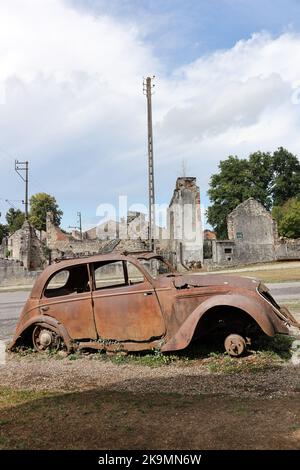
(79,226)
(23,167)
(147,88)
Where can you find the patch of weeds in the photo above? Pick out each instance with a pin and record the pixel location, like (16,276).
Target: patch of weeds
(294,427)
(3,422)
(23,351)
(10,397)
(255,362)
(240,408)
(118,358)
(3,442)
(54,354)
(150,359)
(73,356)
(276,347)
(155,359)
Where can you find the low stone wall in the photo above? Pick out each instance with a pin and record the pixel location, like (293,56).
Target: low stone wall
(13,274)
(288,249)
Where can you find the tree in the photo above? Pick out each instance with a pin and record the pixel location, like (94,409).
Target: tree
(40,204)
(15,219)
(272,179)
(288,218)
(3,232)
(286,176)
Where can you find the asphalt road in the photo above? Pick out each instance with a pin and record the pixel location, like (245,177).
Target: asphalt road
(11,304)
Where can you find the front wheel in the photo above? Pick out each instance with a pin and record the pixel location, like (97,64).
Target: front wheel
(235,345)
(45,340)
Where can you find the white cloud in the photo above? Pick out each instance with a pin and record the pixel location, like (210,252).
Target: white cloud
(234,102)
(74,104)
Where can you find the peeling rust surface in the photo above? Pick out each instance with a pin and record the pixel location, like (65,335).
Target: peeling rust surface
(114,302)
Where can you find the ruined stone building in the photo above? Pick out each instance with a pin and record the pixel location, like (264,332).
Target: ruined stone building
(184,224)
(181,241)
(252,238)
(93,241)
(25,247)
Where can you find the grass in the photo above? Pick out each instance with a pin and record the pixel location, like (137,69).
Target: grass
(10,397)
(107,419)
(272,275)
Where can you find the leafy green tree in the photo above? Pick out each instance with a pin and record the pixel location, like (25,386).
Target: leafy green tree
(260,178)
(3,232)
(272,179)
(286,176)
(15,219)
(288,218)
(40,204)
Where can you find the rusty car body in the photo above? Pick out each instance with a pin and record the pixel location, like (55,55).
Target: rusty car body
(122,302)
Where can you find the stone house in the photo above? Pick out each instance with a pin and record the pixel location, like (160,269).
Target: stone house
(25,247)
(252,238)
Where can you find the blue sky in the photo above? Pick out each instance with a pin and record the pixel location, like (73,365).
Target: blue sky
(180,31)
(71,102)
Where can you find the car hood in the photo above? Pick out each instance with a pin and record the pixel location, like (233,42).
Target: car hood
(203,280)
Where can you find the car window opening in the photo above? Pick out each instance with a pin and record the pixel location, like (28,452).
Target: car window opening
(157,267)
(114,274)
(70,281)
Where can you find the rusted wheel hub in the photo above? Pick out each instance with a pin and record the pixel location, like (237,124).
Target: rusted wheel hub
(235,345)
(44,339)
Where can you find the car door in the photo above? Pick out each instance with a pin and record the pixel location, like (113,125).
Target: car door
(126,307)
(67,296)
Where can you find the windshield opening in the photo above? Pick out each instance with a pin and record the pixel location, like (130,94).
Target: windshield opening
(157,267)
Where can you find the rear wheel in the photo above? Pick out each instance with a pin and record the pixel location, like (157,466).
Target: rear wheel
(44,339)
(235,345)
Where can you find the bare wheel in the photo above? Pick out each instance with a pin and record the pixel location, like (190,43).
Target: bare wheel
(235,345)
(45,340)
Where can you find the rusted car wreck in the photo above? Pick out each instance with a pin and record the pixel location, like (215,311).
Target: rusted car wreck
(137,303)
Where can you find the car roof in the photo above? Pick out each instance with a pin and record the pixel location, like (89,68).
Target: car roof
(59,265)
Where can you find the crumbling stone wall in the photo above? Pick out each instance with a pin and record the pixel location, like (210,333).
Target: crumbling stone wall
(25,247)
(251,222)
(64,245)
(254,232)
(12,273)
(184,224)
(287,249)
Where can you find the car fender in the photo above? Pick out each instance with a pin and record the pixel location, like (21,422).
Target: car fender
(47,322)
(249,305)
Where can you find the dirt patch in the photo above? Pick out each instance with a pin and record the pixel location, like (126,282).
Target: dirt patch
(105,419)
(193,400)
(95,402)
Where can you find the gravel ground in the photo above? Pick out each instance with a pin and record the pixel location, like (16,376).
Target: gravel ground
(88,373)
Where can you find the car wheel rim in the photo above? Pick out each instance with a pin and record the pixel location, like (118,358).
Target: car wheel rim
(235,345)
(44,339)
